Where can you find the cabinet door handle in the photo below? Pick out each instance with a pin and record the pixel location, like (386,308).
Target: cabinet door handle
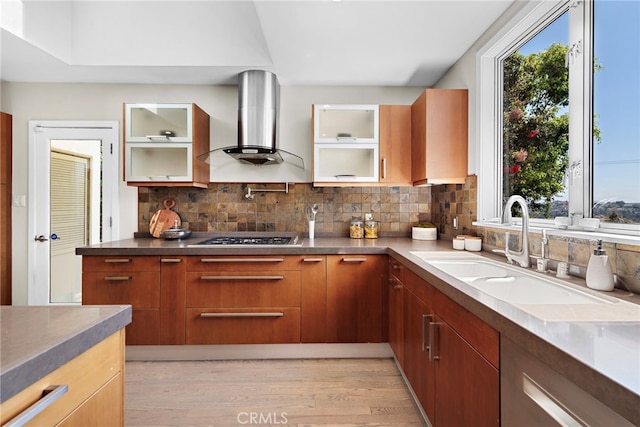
(384,167)
(277,277)
(152,137)
(169,260)
(117,260)
(354,259)
(394,283)
(49,396)
(117,278)
(426,318)
(242,260)
(433,339)
(394,265)
(312,259)
(243,314)
(345,176)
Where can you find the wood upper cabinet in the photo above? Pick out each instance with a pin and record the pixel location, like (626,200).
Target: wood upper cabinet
(439,137)
(395,145)
(162,142)
(355,298)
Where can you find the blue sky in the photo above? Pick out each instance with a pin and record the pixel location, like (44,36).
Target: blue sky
(616,95)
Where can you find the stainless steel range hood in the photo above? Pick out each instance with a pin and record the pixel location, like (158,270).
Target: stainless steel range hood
(258,110)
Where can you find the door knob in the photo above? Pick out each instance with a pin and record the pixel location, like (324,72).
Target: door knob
(41,238)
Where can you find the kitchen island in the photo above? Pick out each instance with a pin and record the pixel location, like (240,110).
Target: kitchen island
(78,349)
(600,356)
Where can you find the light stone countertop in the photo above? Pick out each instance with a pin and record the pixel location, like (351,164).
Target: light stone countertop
(37,340)
(601,355)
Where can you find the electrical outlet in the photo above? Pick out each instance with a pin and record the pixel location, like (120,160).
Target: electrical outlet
(455,222)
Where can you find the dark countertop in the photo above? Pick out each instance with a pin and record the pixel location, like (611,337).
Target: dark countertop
(37,340)
(601,356)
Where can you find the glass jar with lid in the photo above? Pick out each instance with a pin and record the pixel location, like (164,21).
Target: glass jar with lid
(356,230)
(370,227)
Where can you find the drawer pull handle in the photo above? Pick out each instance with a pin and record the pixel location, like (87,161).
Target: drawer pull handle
(175,260)
(278,277)
(118,260)
(242,260)
(243,314)
(354,259)
(49,396)
(548,403)
(433,330)
(312,259)
(394,265)
(117,278)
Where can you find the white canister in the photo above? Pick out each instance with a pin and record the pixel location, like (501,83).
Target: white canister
(312,229)
(458,243)
(473,244)
(424,233)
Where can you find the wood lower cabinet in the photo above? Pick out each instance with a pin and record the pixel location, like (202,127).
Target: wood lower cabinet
(313,303)
(126,280)
(355,298)
(242,300)
(450,358)
(95,390)
(417,313)
(395,280)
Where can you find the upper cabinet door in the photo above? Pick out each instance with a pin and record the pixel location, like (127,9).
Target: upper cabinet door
(158,122)
(346,123)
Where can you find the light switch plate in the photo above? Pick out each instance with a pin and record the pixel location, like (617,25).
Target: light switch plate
(19,200)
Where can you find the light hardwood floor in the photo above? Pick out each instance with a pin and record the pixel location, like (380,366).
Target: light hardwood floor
(298,392)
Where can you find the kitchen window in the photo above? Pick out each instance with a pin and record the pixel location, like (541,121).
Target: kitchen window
(558,114)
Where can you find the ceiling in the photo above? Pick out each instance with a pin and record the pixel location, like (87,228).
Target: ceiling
(304,42)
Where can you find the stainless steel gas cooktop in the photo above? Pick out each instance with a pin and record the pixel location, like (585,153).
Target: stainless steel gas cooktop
(247,239)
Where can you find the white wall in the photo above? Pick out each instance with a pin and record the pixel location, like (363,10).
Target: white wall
(463,75)
(57,101)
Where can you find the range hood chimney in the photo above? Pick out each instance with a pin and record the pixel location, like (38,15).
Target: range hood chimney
(258,111)
(258,105)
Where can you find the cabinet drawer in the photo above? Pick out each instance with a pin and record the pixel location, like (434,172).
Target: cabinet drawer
(243,263)
(120,263)
(83,375)
(270,325)
(139,289)
(243,289)
(477,333)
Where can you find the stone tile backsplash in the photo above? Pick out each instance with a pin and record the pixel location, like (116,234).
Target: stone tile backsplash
(224,207)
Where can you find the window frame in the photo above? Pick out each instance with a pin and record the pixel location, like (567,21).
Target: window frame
(526,23)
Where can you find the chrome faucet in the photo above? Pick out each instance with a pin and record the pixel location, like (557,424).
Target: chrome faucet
(521,256)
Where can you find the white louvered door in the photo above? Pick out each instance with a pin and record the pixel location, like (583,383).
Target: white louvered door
(69,201)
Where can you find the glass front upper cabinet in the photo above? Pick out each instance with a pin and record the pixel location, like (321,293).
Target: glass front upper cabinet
(158,122)
(346,123)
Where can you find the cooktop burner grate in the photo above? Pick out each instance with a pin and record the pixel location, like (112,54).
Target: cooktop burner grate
(246,241)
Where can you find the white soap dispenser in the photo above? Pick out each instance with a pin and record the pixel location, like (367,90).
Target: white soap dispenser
(599,275)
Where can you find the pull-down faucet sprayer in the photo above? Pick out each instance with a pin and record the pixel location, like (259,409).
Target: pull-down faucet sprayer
(521,256)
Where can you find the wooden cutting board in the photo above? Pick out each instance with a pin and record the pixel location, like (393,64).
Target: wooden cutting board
(164,218)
